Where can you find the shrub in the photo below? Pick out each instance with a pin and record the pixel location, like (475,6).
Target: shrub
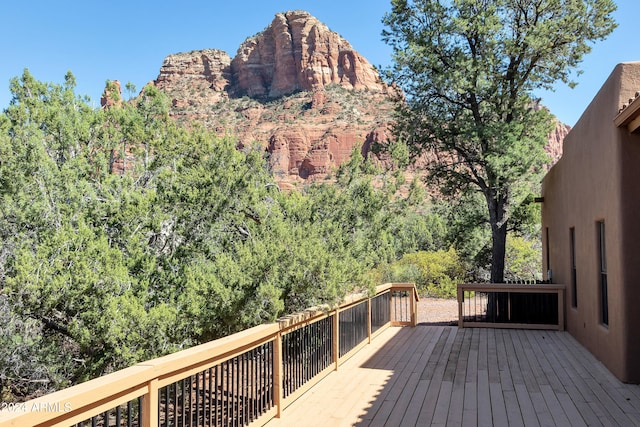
(435,273)
(523,260)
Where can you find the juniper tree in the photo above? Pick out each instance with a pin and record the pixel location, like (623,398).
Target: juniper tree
(469,69)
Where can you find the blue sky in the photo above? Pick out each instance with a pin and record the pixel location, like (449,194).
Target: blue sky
(128,40)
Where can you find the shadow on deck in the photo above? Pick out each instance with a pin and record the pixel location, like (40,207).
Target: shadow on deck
(442,375)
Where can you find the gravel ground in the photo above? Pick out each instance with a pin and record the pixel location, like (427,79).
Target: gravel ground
(438,311)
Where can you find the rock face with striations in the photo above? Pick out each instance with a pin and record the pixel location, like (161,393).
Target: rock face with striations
(554,146)
(299,53)
(205,72)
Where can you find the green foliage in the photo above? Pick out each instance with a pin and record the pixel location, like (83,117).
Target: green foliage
(469,69)
(435,273)
(523,259)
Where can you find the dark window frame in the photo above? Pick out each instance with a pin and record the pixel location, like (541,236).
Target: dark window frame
(602,268)
(574,273)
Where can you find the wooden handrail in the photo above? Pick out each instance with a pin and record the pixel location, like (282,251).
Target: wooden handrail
(83,401)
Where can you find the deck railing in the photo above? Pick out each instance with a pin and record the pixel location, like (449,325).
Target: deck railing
(532,306)
(246,378)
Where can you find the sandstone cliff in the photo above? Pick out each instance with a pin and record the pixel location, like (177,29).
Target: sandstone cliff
(195,79)
(554,147)
(299,53)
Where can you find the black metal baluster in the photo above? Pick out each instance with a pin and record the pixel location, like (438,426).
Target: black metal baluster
(185,400)
(306,347)
(260,369)
(254,383)
(311,343)
(263,381)
(210,401)
(223,395)
(328,342)
(241,402)
(314,349)
(289,362)
(241,392)
(294,361)
(129,415)
(161,400)
(216,402)
(317,347)
(190,408)
(168,410)
(197,408)
(175,404)
(230,391)
(300,358)
(304,351)
(234,392)
(246,393)
(256,386)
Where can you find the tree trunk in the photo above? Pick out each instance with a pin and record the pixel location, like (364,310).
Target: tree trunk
(497,305)
(498,250)
(498,221)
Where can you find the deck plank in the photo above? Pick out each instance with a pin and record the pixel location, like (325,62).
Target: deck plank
(445,376)
(470,403)
(525,403)
(410,378)
(395,402)
(434,373)
(456,405)
(607,402)
(412,411)
(484,399)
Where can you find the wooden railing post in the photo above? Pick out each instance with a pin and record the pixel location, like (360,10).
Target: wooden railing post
(277,374)
(150,405)
(414,307)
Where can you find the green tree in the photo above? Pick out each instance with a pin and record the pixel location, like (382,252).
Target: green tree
(469,69)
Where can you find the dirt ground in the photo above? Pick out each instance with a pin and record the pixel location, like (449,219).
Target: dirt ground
(437,310)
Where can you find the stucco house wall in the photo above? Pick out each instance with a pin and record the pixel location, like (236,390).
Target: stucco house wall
(598,179)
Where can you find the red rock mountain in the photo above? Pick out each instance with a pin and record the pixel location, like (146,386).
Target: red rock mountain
(297,89)
(554,147)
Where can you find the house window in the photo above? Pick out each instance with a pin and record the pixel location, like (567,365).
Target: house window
(574,277)
(604,292)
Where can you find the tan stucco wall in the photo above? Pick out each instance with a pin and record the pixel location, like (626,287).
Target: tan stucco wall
(598,178)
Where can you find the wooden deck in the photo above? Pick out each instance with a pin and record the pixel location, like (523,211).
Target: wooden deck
(445,376)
